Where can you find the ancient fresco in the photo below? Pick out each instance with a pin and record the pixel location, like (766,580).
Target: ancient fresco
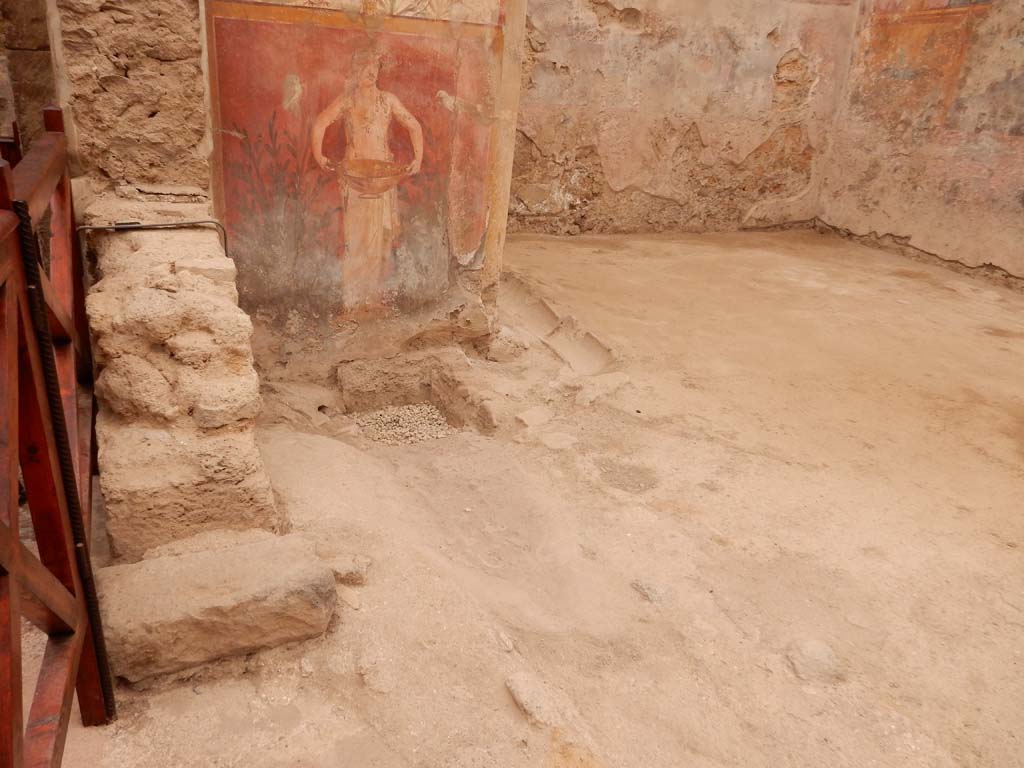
(472,11)
(930,144)
(351,159)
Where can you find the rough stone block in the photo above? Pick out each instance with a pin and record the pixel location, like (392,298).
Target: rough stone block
(133,387)
(220,400)
(173,613)
(171,482)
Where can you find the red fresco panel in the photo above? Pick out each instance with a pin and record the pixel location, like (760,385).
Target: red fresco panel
(360,229)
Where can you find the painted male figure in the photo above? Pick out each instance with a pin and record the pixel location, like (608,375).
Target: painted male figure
(371,220)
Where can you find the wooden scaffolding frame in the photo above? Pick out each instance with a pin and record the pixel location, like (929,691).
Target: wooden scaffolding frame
(47,415)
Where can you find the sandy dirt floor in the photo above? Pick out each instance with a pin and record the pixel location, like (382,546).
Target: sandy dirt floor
(782,527)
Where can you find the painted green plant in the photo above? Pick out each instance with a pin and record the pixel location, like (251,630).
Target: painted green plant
(283,217)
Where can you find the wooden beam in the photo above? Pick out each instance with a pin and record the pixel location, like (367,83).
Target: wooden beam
(40,616)
(86,435)
(7,193)
(91,704)
(53,119)
(9,403)
(55,608)
(10,610)
(66,274)
(47,727)
(62,327)
(40,468)
(39,172)
(9,252)
(6,263)
(11,717)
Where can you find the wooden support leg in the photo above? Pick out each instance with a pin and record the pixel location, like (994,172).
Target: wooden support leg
(87,682)
(51,708)
(11,731)
(46,501)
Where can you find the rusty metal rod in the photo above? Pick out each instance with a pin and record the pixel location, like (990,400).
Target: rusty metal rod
(130,226)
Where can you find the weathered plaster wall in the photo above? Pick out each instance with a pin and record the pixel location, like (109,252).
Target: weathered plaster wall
(641,115)
(133,81)
(26,43)
(929,142)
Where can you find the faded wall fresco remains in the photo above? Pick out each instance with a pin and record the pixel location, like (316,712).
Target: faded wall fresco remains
(929,143)
(353,160)
(650,115)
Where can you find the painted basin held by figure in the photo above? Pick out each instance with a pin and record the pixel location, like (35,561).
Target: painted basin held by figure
(373,177)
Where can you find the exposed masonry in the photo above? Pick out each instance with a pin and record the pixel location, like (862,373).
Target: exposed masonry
(136,89)
(177,388)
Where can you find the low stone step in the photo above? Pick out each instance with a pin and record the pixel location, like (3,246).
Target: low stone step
(171,613)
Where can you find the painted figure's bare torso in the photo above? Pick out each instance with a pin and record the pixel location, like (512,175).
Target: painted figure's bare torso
(366,127)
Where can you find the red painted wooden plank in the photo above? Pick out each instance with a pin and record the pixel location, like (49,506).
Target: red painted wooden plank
(91,704)
(62,327)
(39,172)
(9,404)
(61,300)
(11,734)
(40,469)
(6,264)
(7,193)
(53,119)
(78,312)
(65,357)
(45,601)
(39,614)
(9,253)
(10,613)
(8,223)
(86,435)
(48,717)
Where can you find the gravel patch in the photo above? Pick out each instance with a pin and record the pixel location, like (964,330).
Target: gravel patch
(404,424)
